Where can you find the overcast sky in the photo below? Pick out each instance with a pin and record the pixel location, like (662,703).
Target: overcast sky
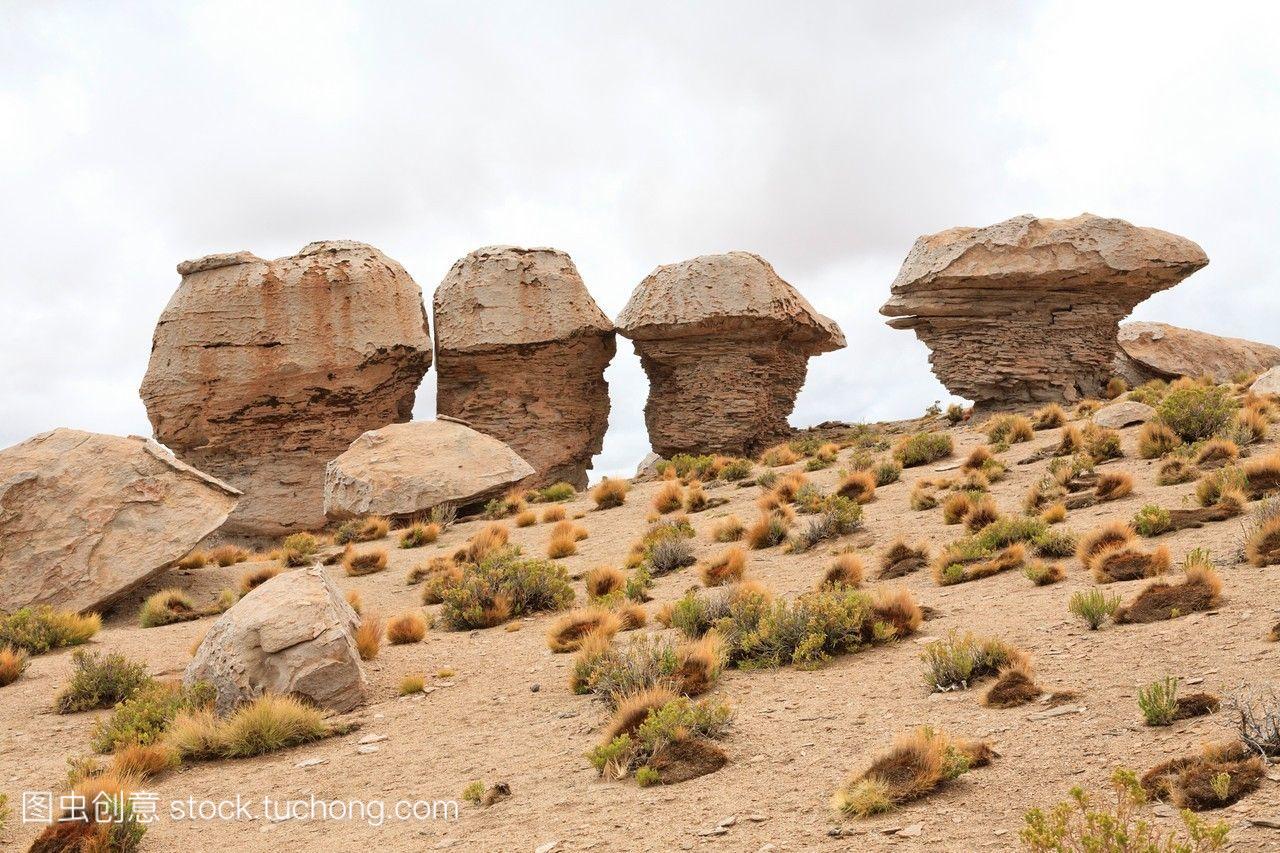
(824,136)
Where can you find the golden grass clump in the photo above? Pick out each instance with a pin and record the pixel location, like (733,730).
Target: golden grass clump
(669,498)
(727,529)
(568,528)
(412,684)
(569,631)
(420,533)
(228,555)
(1009,428)
(1015,685)
(917,764)
(552,514)
(365,563)
(726,567)
(631,615)
(353,599)
(603,580)
(267,724)
(167,607)
(609,493)
(368,636)
(695,498)
(769,530)
(633,709)
(1054,513)
(858,486)
(197,559)
(1262,548)
(845,570)
(1175,470)
(251,580)
(1115,387)
(144,762)
(981,513)
(956,507)
(1218,776)
(780,455)
(563,544)
(1124,562)
(1113,485)
(1217,450)
(483,542)
(439,573)
(13,662)
(1051,416)
(1255,422)
(526,518)
(897,607)
(1112,533)
(406,628)
(1198,590)
(901,559)
(1155,439)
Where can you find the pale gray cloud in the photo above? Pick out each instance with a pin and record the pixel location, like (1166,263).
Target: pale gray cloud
(824,135)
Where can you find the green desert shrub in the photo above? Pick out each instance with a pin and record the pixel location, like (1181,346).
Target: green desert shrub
(887,472)
(144,717)
(37,630)
(678,719)
(100,681)
(267,724)
(736,469)
(557,492)
(957,660)
(504,585)
(1093,606)
(1197,412)
(1158,701)
(1151,520)
(923,448)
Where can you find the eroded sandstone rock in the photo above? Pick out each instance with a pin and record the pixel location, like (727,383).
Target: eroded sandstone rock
(263,371)
(291,635)
(86,517)
(1160,351)
(1122,414)
(725,343)
(521,349)
(1027,310)
(1267,383)
(406,469)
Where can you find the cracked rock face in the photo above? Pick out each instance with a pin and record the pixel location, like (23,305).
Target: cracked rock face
(263,371)
(1160,351)
(86,517)
(292,635)
(1027,310)
(725,343)
(521,349)
(404,470)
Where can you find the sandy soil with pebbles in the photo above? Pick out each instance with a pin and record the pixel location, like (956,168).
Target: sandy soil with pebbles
(797,734)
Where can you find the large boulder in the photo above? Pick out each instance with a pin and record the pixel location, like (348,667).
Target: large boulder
(725,343)
(521,349)
(85,517)
(263,371)
(1026,311)
(406,469)
(1267,383)
(291,635)
(1122,414)
(1160,351)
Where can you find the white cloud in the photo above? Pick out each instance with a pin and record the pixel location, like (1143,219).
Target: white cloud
(826,136)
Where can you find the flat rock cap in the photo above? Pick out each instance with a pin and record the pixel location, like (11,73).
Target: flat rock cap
(733,294)
(500,296)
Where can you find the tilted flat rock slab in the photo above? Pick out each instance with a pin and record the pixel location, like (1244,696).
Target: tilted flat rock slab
(263,371)
(1123,414)
(1161,351)
(86,517)
(406,469)
(1267,383)
(292,635)
(725,343)
(521,349)
(1027,310)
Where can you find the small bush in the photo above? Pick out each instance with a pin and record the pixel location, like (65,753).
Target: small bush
(501,586)
(917,764)
(298,550)
(1159,702)
(40,629)
(1152,520)
(144,717)
(1078,825)
(956,507)
(1217,450)
(669,498)
(167,607)
(1051,416)
(365,563)
(490,539)
(265,725)
(887,472)
(923,448)
(609,493)
(727,529)
(1262,546)
(406,628)
(557,492)
(228,555)
(736,469)
(418,534)
(563,544)
(1197,412)
(1093,606)
(603,581)
(569,632)
(845,570)
(1101,443)
(1041,573)
(1008,429)
(13,662)
(100,682)
(769,530)
(955,662)
(1054,513)
(858,486)
(727,567)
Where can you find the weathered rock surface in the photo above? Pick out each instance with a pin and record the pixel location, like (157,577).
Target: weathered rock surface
(263,371)
(521,349)
(725,343)
(86,517)
(1123,414)
(1267,383)
(403,469)
(1026,310)
(291,635)
(1160,351)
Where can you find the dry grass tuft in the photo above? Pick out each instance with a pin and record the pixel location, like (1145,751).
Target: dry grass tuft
(1218,776)
(553,514)
(981,513)
(859,486)
(956,507)
(1199,590)
(418,534)
(365,563)
(1112,533)
(633,709)
(144,762)
(569,631)
(897,607)
(917,764)
(727,529)
(526,518)
(1015,685)
(669,498)
(1174,471)
(195,560)
(1263,545)
(1113,485)
(1122,561)
(603,580)
(563,544)
(609,493)
(780,455)
(1155,439)
(353,599)
(769,530)
(726,567)
(845,570)
(1054,513)
(251,580)
(483,542)
(901,559)
(1217,451)
(368,636)
(13,662)
(1051,416)
(406,628)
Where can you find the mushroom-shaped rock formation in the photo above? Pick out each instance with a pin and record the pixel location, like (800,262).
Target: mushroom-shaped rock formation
(1027,310)
(292,635)
(406,469)
(1160,351)
(521,349)
(86,517)
(725,343)
(263,371)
